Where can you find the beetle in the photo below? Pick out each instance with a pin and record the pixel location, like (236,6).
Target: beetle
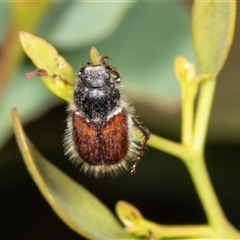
(101,127)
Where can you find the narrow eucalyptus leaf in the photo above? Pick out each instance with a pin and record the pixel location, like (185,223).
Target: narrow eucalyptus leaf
(213,29)
(77,207)
(57,74)
(87,22)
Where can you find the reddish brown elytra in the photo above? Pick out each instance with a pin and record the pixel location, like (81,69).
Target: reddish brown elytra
(101,128)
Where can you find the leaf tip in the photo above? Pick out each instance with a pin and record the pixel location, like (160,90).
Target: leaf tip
(14,114)
(14,111)
(22,34)
(95,56)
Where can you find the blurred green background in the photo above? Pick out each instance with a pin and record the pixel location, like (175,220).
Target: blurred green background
(142,39)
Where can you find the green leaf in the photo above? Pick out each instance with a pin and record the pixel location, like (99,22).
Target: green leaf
(213,29)
(77,207)
(54,70)
(86,22)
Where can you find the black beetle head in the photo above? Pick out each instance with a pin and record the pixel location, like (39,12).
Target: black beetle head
(94,76)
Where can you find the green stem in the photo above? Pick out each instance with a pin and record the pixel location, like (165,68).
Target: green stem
(159,231)
(191,152)
(196,163)
(168,146)
(180,231)
(203,113)
(215,215)
(187,117)
(197,169)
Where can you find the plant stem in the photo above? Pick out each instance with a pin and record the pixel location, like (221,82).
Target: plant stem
(180,231)
(191,151)
(196,163)
(168,146)
(215,215)
(203,113)
(187,117)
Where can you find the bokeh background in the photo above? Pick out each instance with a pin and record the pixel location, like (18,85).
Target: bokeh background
(142,39)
